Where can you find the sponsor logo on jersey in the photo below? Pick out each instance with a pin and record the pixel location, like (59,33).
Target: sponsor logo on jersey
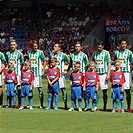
(77,60)
(33,59)
(121,59)
(12,60)
(99,60)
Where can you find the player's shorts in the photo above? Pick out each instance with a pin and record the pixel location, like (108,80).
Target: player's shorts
(25,90)
(117,92)
(76,92)
(10,89)
(18,80)
(91,92)
(62,82)
(54,89)
(1,80)
(37,82)
(127,84)
(103,83)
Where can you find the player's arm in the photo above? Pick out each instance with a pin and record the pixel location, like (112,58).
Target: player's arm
(97,83)
(15,81)
(21,60)
(86,63)
(43,59)
(131,60)
(108,65)
(3,63)
(32,82)
(66,58)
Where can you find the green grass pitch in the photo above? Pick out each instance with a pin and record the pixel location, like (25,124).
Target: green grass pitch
(62,121)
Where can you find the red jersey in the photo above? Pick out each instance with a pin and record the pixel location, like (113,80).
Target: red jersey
(53,73)
(117,78)
(77,78)
(10,77)
(27,77)
(91,78)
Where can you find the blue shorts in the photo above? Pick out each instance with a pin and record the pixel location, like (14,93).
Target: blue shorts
(54,89)
(25,90)
(117,92)
(76,92)
(10,89)
(91,92)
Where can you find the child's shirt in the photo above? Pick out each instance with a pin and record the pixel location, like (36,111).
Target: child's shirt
(91,78)
(117,78)
(27,77)
(53,73)
(77,78)
(10,77)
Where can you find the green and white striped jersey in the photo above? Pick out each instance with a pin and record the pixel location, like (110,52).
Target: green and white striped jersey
(61,58)
(2,59)
(101,60)
(82,57)
(36,59)
(17,59)
(125,58)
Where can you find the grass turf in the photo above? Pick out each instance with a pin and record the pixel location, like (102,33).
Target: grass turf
(42,121)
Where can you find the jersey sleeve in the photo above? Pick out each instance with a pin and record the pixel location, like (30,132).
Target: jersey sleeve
(21,58)
(32,76)
(42,56)
(86,60)
(66,58)
(92,57)
(123,78)
(108,59)
(58,73)
(3,59)
(97,77)
(131,57)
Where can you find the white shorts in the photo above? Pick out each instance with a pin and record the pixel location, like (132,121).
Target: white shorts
(37,82)
(127,84)
(103,83)
(18,80)
(62,83)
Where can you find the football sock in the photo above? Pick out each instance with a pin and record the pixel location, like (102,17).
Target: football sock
(105,97)
(80,103)
(128,98)
(122,104)
(30,101)
(19,95)
(8,101)
(1,98)
(114,104)
(73,103)
(56,100)
(93,103)
(22,101)
(14,100)
(49,101)
(97,100)
(41,97)
(52,100)
(117,103)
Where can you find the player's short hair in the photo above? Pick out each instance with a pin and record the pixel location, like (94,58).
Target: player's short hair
(33,42)
(13,40)
(53,60)
(100,42)
(27,62)
(10,64)
(77,63)
(123,40)
(91,62)
(78,42)
(117,61)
